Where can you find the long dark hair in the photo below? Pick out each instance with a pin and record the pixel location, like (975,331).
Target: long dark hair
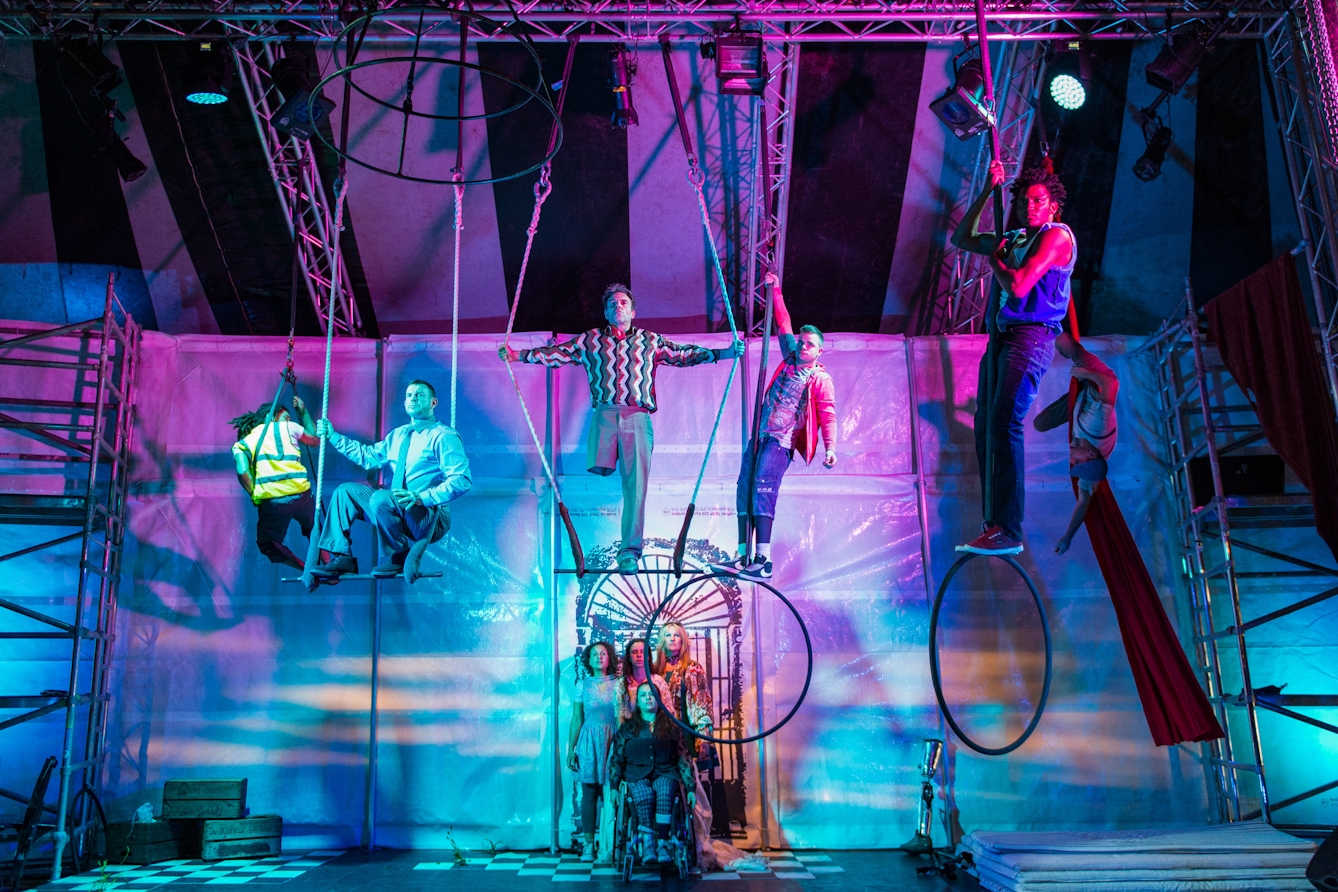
(627,660)
(244,424)
(664,727)
(590,650)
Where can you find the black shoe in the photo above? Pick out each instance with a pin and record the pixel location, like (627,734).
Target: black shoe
(393,566)
(337,566)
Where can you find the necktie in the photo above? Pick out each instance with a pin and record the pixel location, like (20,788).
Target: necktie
(402,461)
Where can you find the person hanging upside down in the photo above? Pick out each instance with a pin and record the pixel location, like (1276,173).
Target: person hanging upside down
(1030,298)
(648,752)
(428,469)
(274,476)
(800,403)
(1094,426)
(620,361)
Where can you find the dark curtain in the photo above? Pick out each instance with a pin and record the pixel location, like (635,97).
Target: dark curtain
(1174,704)
(1262,330)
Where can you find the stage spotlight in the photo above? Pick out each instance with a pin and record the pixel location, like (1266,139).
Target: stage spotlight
(1068,92)
(127,165)
(741,64)
(1176,62)
(300,115)
(208,75)
(100,70)
(1148,167)
(962,108)
(621,69)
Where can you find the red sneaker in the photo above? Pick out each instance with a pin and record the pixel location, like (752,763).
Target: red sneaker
(993,541)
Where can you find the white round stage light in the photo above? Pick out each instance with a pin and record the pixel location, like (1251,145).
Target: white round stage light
(1068,92)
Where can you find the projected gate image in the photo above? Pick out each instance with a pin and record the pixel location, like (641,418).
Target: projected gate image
(617,608)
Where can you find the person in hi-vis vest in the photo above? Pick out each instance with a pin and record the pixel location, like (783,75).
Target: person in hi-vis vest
(274,477)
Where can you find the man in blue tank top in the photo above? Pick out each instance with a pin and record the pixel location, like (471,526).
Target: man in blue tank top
(1032,267)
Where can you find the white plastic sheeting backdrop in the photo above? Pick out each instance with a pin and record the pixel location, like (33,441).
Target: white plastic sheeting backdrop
(221,670)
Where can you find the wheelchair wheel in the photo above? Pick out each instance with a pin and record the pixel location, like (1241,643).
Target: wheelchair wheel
(627,866)
(681,860)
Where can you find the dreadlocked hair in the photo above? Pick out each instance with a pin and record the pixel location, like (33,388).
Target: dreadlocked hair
(1041,176)
(244,424)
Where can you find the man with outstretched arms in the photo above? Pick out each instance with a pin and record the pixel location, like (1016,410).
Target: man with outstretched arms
(1032,268)
(620,362)
(428,469)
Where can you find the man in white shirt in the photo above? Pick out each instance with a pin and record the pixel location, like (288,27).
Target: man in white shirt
(428,469)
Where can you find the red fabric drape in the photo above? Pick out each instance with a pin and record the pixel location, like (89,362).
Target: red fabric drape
(1262,330)
(1173,702)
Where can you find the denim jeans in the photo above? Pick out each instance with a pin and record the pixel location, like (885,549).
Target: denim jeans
(772,462)
(1022,355)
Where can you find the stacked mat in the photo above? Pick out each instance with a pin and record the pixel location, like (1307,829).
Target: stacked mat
(1243,857)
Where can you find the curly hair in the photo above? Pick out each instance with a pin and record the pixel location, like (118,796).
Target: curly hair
(1040,176)
(590,652)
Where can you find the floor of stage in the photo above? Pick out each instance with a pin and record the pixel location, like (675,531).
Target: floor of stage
(433,871)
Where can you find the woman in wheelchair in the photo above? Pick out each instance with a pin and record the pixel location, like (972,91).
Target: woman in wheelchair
(648,754)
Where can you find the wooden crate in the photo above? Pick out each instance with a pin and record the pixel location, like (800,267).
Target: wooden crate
(205,798)
(260,835)
(149,842)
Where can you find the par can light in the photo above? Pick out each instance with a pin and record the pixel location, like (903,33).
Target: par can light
(1068,92)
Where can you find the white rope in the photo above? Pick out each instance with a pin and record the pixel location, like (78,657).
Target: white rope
(455,301)
(696,178)
(341,189)
(541,190)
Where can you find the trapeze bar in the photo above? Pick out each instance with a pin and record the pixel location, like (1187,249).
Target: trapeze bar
(357,577)
(564,571)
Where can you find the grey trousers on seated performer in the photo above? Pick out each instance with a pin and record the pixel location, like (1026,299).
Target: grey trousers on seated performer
(398,529)
(621,439)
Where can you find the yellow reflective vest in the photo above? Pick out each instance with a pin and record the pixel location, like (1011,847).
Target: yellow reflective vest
(277,470)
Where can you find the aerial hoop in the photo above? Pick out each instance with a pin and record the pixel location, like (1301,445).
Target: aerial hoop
(808,674)
(933,657)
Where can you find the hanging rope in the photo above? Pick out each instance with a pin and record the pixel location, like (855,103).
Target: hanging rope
(313,547)
(542,188)
(696,177)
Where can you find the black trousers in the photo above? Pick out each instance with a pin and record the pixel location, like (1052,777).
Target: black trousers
(272,519)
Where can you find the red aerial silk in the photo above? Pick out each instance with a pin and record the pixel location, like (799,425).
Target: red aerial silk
(1173,701)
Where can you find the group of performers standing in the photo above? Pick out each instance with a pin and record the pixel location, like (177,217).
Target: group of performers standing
(1032,268)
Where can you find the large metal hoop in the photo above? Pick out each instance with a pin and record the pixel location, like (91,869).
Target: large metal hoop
(346,38)
(447,181)
(933,657)
(808,675)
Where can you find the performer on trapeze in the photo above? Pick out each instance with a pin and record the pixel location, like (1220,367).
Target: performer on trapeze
(428,469)
(274,476)
(800,402)
(1030,298)
(1094,426)
(620,361)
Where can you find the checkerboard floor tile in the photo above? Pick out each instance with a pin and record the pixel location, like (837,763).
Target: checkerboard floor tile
(231,872)
(570,868)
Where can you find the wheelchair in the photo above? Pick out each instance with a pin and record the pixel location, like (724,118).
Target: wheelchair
(682,833)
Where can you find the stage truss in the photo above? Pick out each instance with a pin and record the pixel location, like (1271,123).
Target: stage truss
(778,20)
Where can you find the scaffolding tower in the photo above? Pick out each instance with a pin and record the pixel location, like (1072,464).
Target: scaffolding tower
(72,423)
(1237,552)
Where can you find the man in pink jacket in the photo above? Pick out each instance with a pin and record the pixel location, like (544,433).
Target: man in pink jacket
(800,402)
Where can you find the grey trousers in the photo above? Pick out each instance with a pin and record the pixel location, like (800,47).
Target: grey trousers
(396,528)
(622,438)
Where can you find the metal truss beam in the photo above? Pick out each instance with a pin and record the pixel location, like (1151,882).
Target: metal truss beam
(958,306)
(1305,123)
(302,194)
(787,21)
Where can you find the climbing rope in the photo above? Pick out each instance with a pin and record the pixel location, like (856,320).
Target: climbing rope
(313,548)
(542,189)
(696,178)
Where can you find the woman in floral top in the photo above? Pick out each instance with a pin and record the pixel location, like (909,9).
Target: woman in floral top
(592,728)
(675,663)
